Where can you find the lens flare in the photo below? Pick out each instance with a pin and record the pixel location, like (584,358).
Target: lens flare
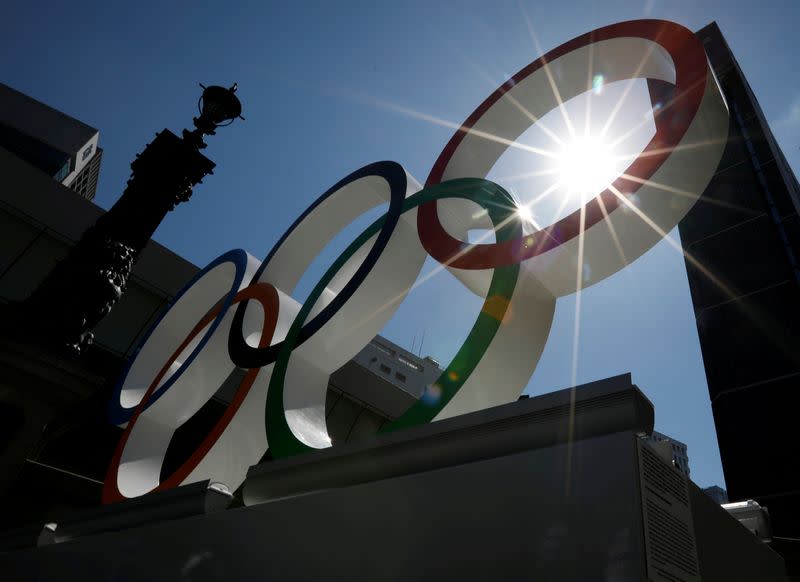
(432,394)
(597,84)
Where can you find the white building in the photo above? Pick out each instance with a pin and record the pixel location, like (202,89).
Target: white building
(399,366)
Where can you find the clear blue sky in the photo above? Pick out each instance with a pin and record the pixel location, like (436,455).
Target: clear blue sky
(308,72)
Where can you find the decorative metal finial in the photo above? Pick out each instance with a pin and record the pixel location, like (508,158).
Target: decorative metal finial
(218,107)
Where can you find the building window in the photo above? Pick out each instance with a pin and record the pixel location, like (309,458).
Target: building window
(385,369)
(399,376)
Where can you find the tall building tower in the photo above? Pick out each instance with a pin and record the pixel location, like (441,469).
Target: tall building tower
(744,232)
(62,147)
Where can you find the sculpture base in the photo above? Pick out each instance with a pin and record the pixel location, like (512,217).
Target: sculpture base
(601,507)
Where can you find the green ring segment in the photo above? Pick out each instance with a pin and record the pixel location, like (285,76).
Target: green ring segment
(502,211)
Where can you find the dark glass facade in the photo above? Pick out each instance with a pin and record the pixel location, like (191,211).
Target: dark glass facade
(745,233)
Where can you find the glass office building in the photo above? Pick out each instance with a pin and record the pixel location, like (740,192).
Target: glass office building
(745,233)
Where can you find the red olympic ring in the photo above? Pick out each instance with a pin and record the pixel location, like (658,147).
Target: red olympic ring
(265,294)
(672,122)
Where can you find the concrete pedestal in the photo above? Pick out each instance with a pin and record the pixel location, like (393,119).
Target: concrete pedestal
(451,507)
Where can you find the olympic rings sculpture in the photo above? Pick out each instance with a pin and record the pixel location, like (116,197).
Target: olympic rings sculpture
(236,323)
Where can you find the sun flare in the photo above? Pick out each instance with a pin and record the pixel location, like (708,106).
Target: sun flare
(586,166)
(524,213)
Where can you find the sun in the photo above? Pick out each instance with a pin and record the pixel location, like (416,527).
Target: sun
(586,166)
(524,213)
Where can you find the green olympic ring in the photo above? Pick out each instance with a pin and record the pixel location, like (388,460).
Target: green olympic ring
(502,211)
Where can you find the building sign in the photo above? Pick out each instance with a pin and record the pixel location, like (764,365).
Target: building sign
(238,312)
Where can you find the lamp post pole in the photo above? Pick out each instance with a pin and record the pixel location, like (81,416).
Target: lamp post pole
(83,288)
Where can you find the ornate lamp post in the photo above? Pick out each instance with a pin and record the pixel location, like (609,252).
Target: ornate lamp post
(83,288)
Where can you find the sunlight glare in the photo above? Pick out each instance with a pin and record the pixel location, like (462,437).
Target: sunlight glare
(524,213)
(586,166)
